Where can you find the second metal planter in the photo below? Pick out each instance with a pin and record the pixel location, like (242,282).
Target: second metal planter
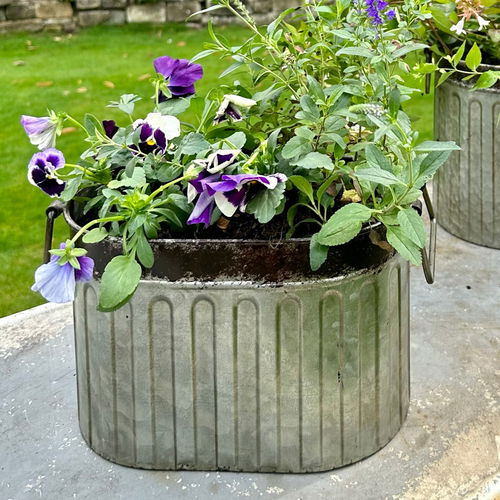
(467,187)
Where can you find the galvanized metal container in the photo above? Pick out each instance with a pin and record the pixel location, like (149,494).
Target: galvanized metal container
(467,187)
(257,374)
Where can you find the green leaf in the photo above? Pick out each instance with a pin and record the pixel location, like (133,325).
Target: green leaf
(71,188)
(377,175)
(118,283)
(315,160)
(394,102)
(321,190)
(91,124)
(376,158)
(174,106)
(412,225)
(344,224)
(296,146)
(310,111)
(95,235)
(315,88)
(443,77)
(400,241)
(487,79)
(304,132)
(138,178)
(408,47)
(208,52)
(303,185)
(354,51)
(126,103)
(473,59)
(265,203)
(318,253)
(458,54)
(429,166)
(193,144)
(428,146)
(144,251)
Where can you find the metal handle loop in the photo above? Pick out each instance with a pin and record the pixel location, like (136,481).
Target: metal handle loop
(54,210)
(429,259)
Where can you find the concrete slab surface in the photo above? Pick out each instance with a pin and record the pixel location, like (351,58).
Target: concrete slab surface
(448,448)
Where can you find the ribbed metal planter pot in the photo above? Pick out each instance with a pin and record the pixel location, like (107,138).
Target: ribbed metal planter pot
(467,187)
(246,375)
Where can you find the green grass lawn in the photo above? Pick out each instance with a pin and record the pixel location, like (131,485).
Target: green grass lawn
(76,74)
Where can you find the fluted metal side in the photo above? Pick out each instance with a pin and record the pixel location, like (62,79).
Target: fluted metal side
(467,187)
(239,376)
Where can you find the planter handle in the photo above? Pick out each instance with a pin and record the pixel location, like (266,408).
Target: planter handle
(54,210)
(428,259)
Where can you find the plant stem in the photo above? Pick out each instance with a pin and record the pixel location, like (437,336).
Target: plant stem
(165,186)
(93,223)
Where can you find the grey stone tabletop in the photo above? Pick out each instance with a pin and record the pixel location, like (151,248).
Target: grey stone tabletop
(448,448)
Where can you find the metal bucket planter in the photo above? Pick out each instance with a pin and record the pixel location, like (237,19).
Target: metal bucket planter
(467,187)
(233,355)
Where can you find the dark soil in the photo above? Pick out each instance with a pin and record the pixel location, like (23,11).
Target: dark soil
(243,226)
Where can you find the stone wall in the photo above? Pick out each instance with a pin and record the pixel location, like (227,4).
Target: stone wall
(37,15)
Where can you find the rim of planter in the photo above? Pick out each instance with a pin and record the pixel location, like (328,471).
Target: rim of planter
(469,83)
(277,260)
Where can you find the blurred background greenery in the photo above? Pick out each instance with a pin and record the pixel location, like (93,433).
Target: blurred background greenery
(81,73)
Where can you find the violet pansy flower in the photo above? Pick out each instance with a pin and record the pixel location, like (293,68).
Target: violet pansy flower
(221,159)
(156,130)
(41,130)
(229,107)
(41,171)
(226,192)
(180,73)
(56,283)
(110,128)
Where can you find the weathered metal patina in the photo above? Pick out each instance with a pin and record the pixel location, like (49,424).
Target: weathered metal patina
(467,187)
(282,371)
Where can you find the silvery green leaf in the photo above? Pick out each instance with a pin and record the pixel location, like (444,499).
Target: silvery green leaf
(266,202)
(318,253)
(344,224)
(377,175)
(412,225)
(397,237)
(95,235)
(296,146)
(119,281)
(315,160)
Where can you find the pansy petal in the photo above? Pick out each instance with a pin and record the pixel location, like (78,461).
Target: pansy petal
(225,205)
(86,269)
(160,140)
(165,65)
(54,282)
(110,128)
(182,91)
(35,125)
(202,212)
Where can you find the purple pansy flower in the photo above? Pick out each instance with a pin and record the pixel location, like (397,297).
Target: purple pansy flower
(156,130)
(229,107)
(180,73)
(110,128)
(41,170)
(227,192)
(41,130)
(56,283)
